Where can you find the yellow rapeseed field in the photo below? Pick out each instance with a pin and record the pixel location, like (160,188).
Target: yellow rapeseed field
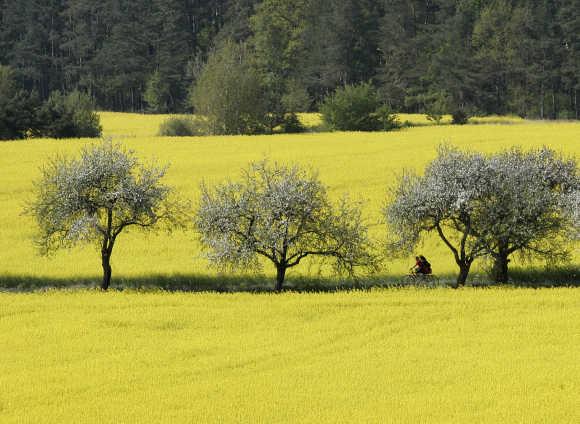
(396,355)
(363,164)
(384,356)
(132,125)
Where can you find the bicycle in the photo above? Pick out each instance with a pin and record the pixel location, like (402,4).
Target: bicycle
(421,279)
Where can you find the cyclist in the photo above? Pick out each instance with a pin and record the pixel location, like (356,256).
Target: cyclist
(422,266)
(425,265)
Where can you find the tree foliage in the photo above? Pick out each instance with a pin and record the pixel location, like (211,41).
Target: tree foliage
(525,211)
(444,200)
(23,115)
(494,206)
(230,94)
(17,108)
(488,56)
(282,214)
(68,116)
(356,108)
(96,197)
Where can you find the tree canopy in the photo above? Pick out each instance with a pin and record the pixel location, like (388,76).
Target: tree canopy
(487,56)
(96,197)
(497,205)
(282,214)
(230,94)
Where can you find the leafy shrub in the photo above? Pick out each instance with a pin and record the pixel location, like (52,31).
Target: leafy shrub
(181,126)
(459,117)
(68,116)
(433,116)
(387,119)
(356,108)
(291,124)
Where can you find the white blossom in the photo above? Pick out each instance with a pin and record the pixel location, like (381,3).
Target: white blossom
(94,198)
(495,205)
(283,214)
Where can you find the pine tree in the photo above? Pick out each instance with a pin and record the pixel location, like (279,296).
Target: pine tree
(569,22)
(168,39)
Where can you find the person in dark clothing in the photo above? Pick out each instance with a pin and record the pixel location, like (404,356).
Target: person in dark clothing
(425,265)
(422,266)
(416,269)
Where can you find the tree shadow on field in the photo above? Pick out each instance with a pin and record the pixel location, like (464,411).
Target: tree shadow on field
(191,283)
(568,276)
(534,278)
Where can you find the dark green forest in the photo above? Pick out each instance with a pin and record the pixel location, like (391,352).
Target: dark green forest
(482,56)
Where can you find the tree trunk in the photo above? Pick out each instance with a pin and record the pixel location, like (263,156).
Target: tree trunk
(107,271)
(500,268)
(576,104)
(463,273)
(542,100)
(280,274)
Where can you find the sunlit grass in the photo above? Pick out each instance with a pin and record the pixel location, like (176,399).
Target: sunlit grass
(485,356)
(363,164)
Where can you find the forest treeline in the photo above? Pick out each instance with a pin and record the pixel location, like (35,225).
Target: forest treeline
(481,56)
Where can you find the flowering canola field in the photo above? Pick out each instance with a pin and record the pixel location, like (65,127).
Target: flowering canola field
(399,355)
(363,164)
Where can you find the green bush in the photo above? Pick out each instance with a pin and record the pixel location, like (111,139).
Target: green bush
(68,116)
(356,108)
(291,124)
(387,119)
(459,117)
(22,115)
(182,126)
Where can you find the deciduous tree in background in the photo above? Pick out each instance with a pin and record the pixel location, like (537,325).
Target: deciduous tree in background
(96,197)
(230,93)
(282,214)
